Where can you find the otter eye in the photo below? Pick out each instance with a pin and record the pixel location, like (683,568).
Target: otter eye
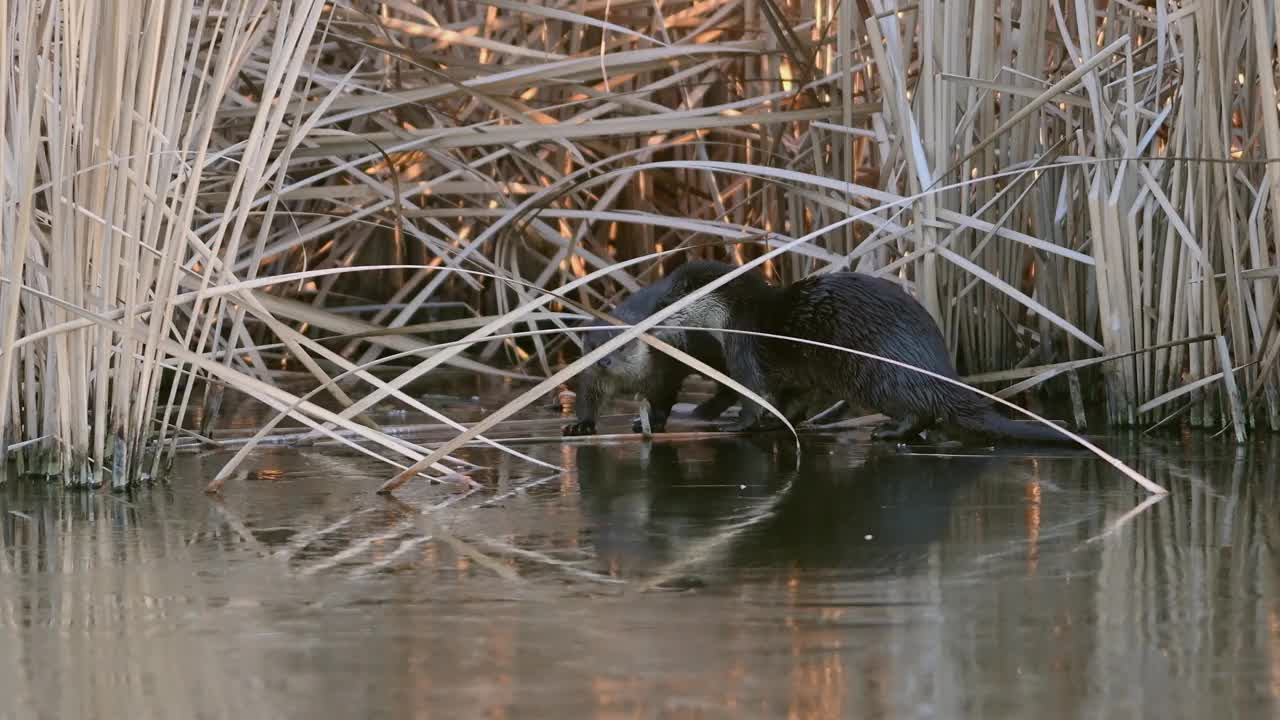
(605,361)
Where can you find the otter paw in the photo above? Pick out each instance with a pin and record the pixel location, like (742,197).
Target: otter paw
(584,427)
(657,427)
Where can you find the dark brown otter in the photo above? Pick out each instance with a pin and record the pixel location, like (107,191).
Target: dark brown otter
(635,368)
(848,310)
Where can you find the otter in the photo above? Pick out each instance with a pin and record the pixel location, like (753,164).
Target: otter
(654,374)
(849,310)
(636,367)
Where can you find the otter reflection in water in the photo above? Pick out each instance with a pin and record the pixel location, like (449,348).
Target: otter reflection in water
(647,505)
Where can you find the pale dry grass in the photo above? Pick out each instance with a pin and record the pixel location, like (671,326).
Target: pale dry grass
(205,192)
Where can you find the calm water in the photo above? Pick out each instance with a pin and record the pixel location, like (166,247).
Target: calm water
(708,578)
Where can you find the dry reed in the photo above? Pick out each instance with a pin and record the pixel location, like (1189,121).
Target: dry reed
(197,194)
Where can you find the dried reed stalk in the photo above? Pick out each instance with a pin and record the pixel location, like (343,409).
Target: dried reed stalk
(199,190)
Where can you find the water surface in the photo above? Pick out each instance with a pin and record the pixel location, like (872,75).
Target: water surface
(702,578)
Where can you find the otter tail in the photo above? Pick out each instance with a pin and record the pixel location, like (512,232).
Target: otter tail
(989,423)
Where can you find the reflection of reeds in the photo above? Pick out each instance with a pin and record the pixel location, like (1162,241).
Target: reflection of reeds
(966,630)
(1065,181)
(1127,610)
(95,590)
(1192,560)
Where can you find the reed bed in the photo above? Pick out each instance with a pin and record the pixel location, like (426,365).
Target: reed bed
(201,198)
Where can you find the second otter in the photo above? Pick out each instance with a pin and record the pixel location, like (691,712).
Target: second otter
(847,310)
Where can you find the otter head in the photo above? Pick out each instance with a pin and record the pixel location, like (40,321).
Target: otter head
(628,365)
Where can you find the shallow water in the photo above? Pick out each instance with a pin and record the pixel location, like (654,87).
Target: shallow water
(701,578)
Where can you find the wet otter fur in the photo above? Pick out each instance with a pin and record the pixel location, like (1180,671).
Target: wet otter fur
(850,310)
(636,368)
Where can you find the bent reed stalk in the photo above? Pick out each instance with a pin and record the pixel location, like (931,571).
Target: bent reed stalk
(196,194)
